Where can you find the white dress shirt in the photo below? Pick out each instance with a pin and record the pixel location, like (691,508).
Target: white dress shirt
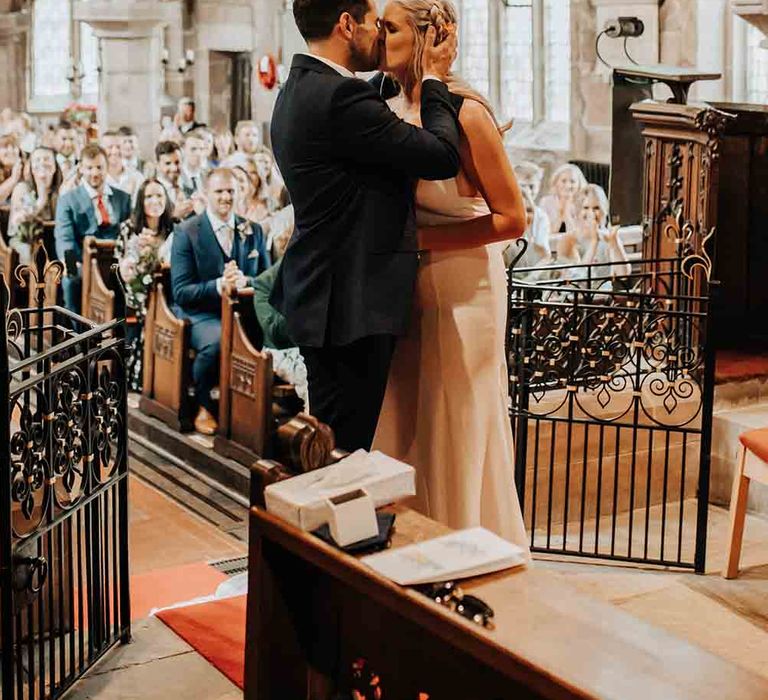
(66,162)
(225,235)
(106,193)
(173,191)
(195,180)
(223,230)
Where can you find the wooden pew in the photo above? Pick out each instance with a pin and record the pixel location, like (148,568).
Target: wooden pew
(5,215)
(254,408)
(245,382)
(167,360)
(9,259)
(98,295)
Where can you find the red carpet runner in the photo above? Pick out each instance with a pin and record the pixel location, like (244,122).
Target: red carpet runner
(216,631)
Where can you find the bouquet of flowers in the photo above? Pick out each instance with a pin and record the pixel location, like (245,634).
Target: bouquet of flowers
(139,260)
(29,230)
(80,114)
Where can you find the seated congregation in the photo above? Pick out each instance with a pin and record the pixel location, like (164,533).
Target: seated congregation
(203,224)
(199,232)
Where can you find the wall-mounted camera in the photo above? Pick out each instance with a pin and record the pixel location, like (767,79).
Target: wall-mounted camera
(624,27)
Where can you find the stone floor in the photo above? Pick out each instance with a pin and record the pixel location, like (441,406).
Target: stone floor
(729,618)
(158,663)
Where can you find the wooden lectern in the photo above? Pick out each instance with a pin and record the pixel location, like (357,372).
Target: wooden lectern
(706,172)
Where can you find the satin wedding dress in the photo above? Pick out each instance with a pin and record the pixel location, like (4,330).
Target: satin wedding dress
(445,409)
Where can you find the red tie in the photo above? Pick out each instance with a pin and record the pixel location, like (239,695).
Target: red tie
(105,221)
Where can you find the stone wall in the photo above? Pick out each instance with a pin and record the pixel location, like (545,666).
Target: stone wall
(13,59)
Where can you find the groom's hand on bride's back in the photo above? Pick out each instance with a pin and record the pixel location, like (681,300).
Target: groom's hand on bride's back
(437,60)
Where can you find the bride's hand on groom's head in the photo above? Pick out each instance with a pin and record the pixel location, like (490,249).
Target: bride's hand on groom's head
(437,60)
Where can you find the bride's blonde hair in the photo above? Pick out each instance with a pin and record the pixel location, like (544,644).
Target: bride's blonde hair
(421,14)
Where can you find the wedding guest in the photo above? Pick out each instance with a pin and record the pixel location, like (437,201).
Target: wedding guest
(93,208)
(11,166)
(225,144)
(169,131)
(560,204)
(245,192)
(66,147)
(209,147)
(287,362)
(538,253)
(257,205)
(193,162)
(143,246)
(129,148)
(184,200)
(278,228)
(185,116)
(210,251)
(594,240)
(272,185)
(247,137)
(119,175)
(529,178)
(22,127)
(34,201)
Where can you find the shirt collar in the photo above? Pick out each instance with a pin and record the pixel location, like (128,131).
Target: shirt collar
(328,62)
(106,190)
(167,184)
(217,223)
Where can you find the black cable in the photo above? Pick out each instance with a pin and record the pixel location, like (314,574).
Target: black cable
(597,50)
(626,53)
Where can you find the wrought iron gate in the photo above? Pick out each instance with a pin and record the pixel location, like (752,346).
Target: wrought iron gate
(611,387)
(63,492)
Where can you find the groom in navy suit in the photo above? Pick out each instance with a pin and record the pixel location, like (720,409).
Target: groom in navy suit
(92,209)
(211,251)
(346,282)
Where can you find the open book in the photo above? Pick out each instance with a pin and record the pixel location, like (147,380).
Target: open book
(461,554)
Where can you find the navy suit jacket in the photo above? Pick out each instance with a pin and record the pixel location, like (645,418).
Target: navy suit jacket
(350,267)
(197,261)
(76,219)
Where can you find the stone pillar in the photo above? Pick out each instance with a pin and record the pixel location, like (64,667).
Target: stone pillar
(591,124)
(132,75)
(14,28)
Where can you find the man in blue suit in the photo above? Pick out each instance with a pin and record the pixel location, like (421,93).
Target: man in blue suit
(92,209)
(211,251)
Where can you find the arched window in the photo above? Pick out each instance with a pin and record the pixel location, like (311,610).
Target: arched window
(61,46)
(517,52)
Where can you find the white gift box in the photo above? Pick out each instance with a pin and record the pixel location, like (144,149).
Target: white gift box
(303,499)
(352,517)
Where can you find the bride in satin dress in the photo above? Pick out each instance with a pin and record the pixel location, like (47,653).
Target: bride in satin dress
(446,406)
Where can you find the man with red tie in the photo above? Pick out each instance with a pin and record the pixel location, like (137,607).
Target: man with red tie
(92,209)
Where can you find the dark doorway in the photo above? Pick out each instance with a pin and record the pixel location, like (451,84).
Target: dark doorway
(230,75)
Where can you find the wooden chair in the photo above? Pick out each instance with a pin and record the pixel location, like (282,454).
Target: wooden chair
(167,360)
(98,296)
(752,466)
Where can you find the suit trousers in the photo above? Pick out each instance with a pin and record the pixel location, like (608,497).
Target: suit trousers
(73,293)
(205,338)
(347,385)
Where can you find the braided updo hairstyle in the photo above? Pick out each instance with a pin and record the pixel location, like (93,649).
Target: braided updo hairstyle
(421,14)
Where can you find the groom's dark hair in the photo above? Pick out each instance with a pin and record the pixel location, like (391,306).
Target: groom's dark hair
(317,18)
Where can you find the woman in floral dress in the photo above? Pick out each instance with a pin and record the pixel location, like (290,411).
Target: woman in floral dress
(143,247)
